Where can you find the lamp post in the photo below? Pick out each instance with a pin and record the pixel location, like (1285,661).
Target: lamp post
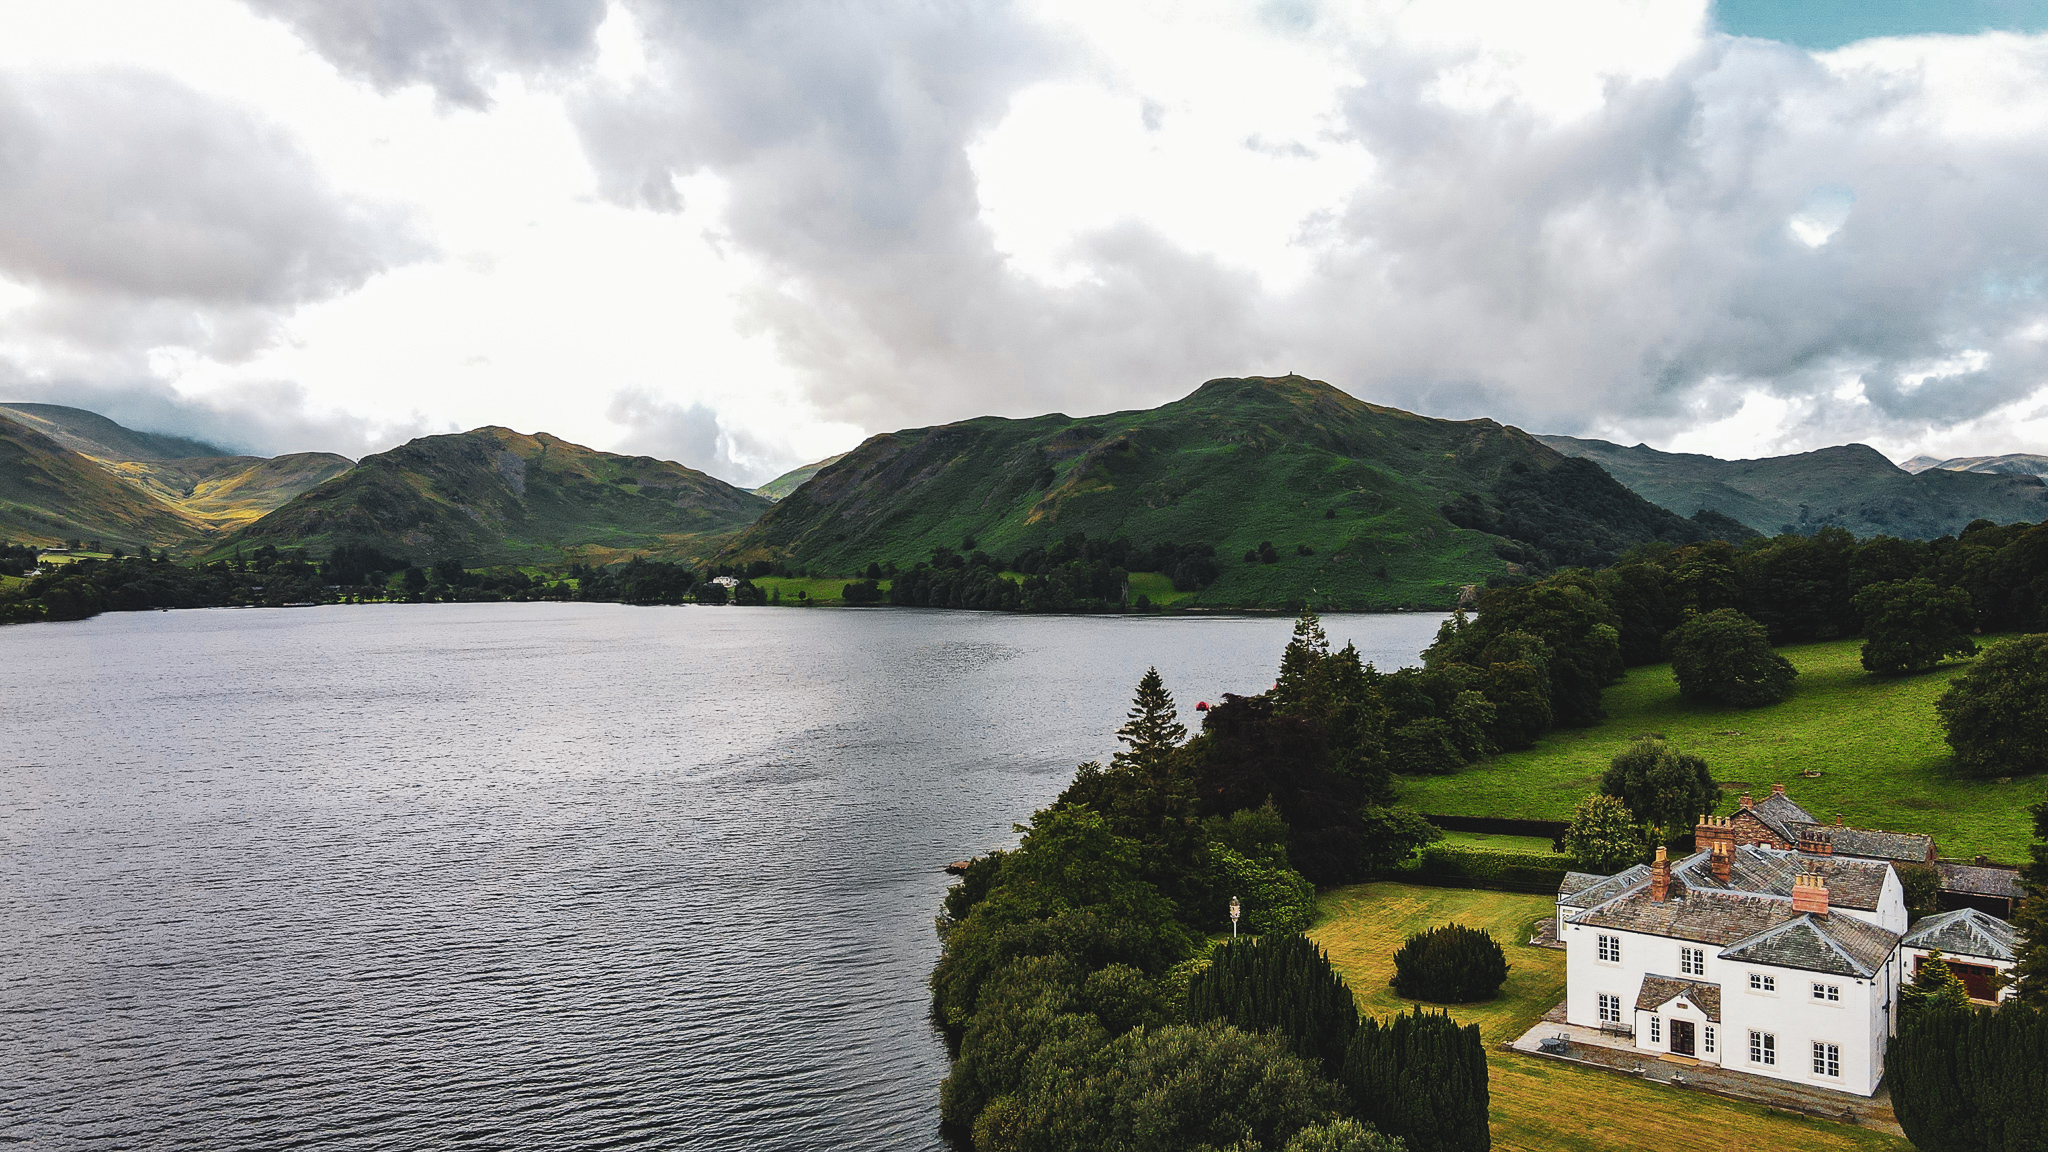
(1233,917)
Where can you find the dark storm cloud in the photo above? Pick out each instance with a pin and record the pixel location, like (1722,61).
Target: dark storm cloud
(455,47)
(150,214)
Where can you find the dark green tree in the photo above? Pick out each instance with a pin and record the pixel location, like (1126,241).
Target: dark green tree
(1344,1136)
(1605,837)
(1153,729)
(1661,785)
(1725,657)
(1967,1080)
(1934,988)
(1996,712)
(1421,1077)
(1283,983)
(1450,964)
(1912,625)
(1393,836)
(2031,973)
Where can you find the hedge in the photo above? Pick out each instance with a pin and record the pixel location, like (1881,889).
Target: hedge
(1464,866)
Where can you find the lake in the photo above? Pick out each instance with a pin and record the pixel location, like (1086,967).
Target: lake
(546,875)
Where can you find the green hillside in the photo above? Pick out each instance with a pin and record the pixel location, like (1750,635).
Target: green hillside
(495,496)
(225,492)
(1851,486)
(789,481)
(1365,506)
(49,494)
(91,434)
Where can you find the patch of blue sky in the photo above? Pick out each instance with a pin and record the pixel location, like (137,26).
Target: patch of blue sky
(1820,25)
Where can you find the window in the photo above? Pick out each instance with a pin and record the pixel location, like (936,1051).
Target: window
(1610,1009)
(1832,993)
(1610,949)
(1758,982)
(1763,1048)
(1707,1039)
(1827,1059)
(1656,1029)
(1692,962)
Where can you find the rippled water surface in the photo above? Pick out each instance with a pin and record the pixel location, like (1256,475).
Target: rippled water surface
(550,876)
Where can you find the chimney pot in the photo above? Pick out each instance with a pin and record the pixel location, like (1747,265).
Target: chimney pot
(1810,894)
(1838,819)
(1777,789)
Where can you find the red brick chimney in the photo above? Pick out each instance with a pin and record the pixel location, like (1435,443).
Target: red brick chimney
(1660,876)
(1810,893)
(1723,861)
(1777,789)
(1746,801)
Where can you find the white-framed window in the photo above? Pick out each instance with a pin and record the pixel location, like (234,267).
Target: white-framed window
(1610,949)
(1827,1059)
(1832,993)
(1763,1048)
(1656,1029)
(1692,962)
(1610,1009)
(1707,1039)
(1758,982)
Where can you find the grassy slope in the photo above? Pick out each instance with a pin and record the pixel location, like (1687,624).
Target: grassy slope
(49,493)
(1873,739)
(1850,485)
(494,496)
(1292,461)
(1537,1104)
(791,480)
(226,492)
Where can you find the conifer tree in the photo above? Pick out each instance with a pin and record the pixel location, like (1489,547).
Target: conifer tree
(1153,729)
(1303,684)
(1934,987)
(1281,982)
(2032,920)
(1421,1077)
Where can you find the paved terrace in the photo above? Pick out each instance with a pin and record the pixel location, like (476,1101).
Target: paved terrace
(1593,1049)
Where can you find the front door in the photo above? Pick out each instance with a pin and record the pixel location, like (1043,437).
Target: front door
(1681,1037)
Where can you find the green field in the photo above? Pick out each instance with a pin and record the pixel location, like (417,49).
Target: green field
(817,589)
(1499,843)
(1158,588)
(1873,740)
(1537,1103)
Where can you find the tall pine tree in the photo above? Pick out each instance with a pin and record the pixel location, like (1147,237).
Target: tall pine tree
(1421,1077)
(2032,920)
(1153,729)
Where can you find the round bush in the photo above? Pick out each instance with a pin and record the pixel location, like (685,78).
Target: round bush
(1450,965)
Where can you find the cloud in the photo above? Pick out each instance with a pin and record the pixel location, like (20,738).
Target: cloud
(142,213)
(455,47)
(693,434)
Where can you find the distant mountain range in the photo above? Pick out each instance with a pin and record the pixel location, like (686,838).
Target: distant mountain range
(1851,486)
(495,496)
(1301,489)
(66,472)
(1360,505)
(2018,464)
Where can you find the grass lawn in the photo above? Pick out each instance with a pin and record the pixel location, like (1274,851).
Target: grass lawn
(1874,740)
(821,589)
(1157,587)
(1538,1104)
(1498,842)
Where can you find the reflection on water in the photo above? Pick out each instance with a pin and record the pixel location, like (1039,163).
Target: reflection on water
(557,876)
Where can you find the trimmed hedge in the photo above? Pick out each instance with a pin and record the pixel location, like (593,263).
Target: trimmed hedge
(1463,866)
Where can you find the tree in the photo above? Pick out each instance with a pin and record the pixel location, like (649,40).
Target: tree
(1934,987)
(1726,658)
(1912,625)
(2032,920)
(1274,897)
(1153,729)
(1972,1080)
(1661,785)
(1283,983)
(1302,684)
(1996,713)
(1344,1136)
(1451,964)
(1604,836)
(1421,1078)
(1393,836)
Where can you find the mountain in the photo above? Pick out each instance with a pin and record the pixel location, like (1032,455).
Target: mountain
(91,434)
(1851,486)
(1364,506)
(50,494)
(2017,464)
(789,481)
(226,492)
(495,496)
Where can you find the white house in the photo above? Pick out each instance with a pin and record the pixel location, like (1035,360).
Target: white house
(1752,958)
(1977,946)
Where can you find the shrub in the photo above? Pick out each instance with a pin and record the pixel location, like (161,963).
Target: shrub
(1422,1078)
(1996,713)
(1604,836)
(1450,965)
(1275,897)
(1660,784)
(1283,983)
(1725,657)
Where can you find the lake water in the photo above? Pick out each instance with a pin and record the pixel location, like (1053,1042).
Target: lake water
(546,876)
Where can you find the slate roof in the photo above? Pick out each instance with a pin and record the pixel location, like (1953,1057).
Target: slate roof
(1779,814)
(1584,890)
(1908,846)
(1980,881)
(1661,990)
(1852,883)
(1707,915)
(1842,945)
(1966,932)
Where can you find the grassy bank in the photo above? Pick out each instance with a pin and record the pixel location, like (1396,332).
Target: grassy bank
(1537,1104)
(1874,740)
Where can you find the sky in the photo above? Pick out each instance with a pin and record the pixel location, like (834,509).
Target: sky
(746,236)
